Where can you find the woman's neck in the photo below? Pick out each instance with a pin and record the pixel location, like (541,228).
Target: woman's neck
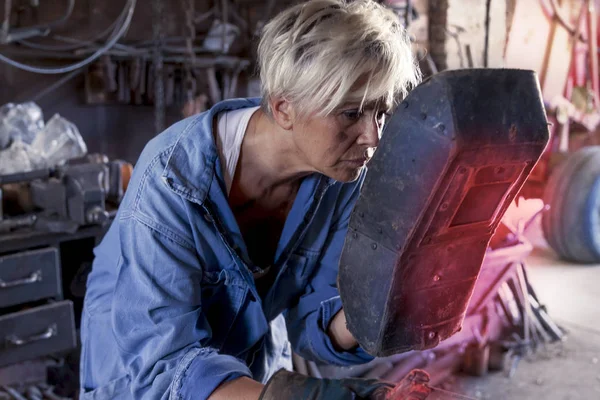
(269,157)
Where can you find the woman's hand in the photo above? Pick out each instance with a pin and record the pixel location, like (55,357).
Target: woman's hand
(339,334)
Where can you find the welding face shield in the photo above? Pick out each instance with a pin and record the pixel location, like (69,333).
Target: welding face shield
(452,158)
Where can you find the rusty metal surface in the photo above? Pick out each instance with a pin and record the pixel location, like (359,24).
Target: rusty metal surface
(451,160)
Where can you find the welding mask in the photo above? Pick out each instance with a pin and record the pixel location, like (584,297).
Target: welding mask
(452,158)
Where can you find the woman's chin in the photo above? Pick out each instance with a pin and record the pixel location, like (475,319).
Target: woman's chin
(345,175)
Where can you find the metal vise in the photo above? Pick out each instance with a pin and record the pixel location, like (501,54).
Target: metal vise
(67,197)
(452,158)
(76,193)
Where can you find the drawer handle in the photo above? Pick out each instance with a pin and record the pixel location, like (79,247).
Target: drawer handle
(16,341)
(33,278)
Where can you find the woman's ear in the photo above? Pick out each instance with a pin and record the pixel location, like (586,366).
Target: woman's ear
(283,112)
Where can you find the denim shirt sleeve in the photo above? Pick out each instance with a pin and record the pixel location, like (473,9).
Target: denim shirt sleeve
(158,321)
(308,320)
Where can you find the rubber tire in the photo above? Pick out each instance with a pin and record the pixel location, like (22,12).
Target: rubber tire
(571,225)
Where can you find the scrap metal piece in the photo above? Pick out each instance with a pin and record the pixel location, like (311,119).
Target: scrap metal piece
(451,160)
(13,393)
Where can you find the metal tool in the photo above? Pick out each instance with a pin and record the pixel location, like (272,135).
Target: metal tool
(67,197)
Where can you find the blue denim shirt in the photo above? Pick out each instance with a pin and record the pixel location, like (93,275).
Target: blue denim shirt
(171,309)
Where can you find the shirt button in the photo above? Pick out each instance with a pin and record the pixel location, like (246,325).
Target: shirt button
(208,218)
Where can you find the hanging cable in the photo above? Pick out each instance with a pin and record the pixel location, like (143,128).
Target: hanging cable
(75,43)
(61,70)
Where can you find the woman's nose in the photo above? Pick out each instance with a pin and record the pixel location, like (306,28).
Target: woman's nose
(370,132)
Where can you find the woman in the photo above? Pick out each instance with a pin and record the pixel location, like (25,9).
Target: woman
(229,236)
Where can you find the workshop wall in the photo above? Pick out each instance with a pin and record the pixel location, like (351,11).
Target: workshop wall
(115,119)
(117,122)
(468,33)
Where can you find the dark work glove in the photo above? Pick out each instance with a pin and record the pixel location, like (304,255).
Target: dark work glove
(293,386)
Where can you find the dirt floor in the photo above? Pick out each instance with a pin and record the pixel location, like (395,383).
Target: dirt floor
(567,370)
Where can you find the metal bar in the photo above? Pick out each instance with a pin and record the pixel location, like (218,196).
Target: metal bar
(25,176)
(542,332)
(548,51)
(546,321)
(6,23)
(213,85)
(34,393)
(159,84)
(13,393)
(207,62)
(225,16)
(236,16)
(506,306)
(431,64)
(269,10)
(548,329)
(204,16)
(493,288)
(593,51)
(408,13)
(563,144)
(234,81)
(520,290)
(486,49)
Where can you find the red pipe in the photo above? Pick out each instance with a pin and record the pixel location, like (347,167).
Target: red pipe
(593,50)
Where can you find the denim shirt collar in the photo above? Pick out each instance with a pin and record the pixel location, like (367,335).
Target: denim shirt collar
(190,168)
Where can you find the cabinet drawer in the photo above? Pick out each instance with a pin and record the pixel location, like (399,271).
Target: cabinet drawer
(29,276)
(37,332)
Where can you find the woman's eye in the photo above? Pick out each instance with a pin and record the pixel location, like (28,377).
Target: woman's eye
(352,115)
(382,116)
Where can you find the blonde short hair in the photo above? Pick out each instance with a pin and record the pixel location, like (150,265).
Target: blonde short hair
(323,53)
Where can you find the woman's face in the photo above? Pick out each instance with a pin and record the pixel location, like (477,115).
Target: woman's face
(340,145)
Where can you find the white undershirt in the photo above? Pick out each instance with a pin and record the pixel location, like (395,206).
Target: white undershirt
(231,128)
